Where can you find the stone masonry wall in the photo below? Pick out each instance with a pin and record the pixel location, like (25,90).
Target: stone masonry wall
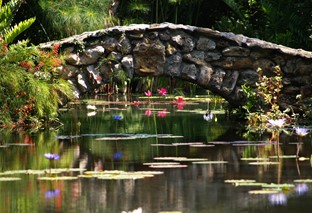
(218,61)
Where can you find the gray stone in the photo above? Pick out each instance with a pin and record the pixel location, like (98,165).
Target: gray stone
(236,51)
(173,64)
(229,82)
(95,74)
(149,57)
(205,44)
(189,71)
(195,57)
(212,56)
(204,76)
(184,42)
(127,63)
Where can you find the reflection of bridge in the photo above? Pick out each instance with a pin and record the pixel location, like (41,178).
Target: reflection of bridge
(218,61)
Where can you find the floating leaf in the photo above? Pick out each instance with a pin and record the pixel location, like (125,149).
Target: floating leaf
(186,144)
(169,158)
(210,162)
(303,181)
(168,166)
(303,158)
(191,159)
(274,185)
(283,156)
(249,184)
(202,145)
(264,163)
(170,136)
(58,178)
(264,191)
(240,181)
(161,163)
(255,159)
(9,178)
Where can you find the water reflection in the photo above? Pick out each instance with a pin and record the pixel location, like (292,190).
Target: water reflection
(195,188)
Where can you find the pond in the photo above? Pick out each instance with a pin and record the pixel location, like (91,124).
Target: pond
(159,156)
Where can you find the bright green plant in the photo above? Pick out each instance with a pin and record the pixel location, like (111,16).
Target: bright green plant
(7,12)
(30,90)
(65,18)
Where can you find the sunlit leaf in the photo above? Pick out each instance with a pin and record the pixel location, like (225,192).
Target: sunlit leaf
(240,181)
(264,163)
(264,191)
(255,159)
(191,159)
(168,166)
(58,178)
(161,163)
(283,156)
(303,180)
(210,162)
(169,158)
(9,178)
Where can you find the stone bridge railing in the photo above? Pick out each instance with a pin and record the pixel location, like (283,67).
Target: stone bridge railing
(218,61)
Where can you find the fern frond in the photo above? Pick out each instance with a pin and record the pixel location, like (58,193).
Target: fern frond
(18,29)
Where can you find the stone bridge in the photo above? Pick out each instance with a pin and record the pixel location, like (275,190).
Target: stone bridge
(218,61)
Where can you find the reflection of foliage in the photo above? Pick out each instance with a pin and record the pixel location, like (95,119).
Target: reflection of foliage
(262,104)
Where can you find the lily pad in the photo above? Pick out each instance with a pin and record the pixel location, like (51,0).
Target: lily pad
(58,178)
(264,163)
(283,156)
(265,191)
(255,159)
(275,185)
(187,144)
(169,158)
(210,162)
(191,159)
(165,166)
(303,181)
(240,181)
(161,163)
(202,145)
(9,179)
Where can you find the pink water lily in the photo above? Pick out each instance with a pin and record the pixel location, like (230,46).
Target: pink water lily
(136,103)
(180,100)
(162,113)
(148,112)
(148,93)
(162,91)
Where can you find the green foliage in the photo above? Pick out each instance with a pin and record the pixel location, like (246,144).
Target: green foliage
(29,85)
(262,103)
(283,22)
(65,18)
(6,17)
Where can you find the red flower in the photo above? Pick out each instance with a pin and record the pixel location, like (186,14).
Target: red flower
(162,91)
(148,93)
(136,103)
(148,112)
(162,113)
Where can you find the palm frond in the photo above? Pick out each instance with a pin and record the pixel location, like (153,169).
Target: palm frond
(17,29)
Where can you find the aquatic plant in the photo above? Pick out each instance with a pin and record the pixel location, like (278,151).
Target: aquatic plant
(148,93)
(162,91)
(301,131)
(51,156)
(262,102)
(148,112)
(136,103)
(117,117)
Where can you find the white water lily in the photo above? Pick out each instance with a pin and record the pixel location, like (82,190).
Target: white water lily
(279,123)
(301,131)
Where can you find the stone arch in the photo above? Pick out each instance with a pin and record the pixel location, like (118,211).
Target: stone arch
(218,61)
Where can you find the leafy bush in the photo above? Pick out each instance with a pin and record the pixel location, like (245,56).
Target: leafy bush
(30,90)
